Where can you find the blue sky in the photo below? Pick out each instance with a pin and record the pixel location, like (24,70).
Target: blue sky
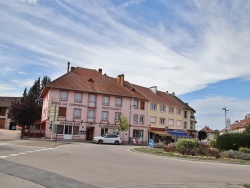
(197,49)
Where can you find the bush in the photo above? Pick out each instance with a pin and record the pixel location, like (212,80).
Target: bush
(233,141)
(185,146)
(244,150)
(212,143)
(170,147)
(159,145)
(235,155)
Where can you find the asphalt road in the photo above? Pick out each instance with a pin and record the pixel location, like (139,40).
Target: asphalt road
(92,165)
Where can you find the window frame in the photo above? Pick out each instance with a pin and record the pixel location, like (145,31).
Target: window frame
(76,98)
(135,118)
(162,106)
(136,104)
(104,103)
(117,116)
(163,121)
(117,104)
(142,118)
(153,107)
(172,120)
(103,118)
(62,93)
(60,110)
(90,100)
(171,110)
(76,112)
(142,105)
(152,117)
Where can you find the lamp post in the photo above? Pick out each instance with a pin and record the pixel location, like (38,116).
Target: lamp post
(129,122)
(225,109)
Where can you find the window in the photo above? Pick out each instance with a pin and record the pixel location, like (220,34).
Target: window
(136,104)
(78,97)
(142,105)
(77,113)
(118,101)
(62,112)
(171,122)
(117,116)
(185,125)
(152,119)
(105,101)
(178,111)
(137,133)
(171,110)
(63,95)
(153,107)
(185,114)
(191,125)
(92,100)
(60,129)
(105,115)
(163,108)
(141,119)
(104,131)
(135,119)
(162,121)
(91,115)
(178,123)
(75,130)
(2,111)
(116,131)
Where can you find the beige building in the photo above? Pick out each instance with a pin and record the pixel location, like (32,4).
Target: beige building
(168,116)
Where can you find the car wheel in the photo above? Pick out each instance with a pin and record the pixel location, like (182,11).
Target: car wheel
(116,142)
(100,142)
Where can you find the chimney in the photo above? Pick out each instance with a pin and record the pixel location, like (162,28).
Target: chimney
(122,79)
(173,93)
(72,68)
(154,89)
(119,79)
(68,67)
(167,92)
(100,71)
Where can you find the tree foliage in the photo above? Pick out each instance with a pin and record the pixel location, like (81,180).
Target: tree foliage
(123,123)
(27,110)
(202,135)
(216,134)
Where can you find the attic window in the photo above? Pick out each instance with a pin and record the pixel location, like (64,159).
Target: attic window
(91,80)
(133,89)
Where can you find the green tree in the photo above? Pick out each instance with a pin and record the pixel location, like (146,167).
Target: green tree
(44,82)
(123,124)
(202,135)
(247,130)
(216,134)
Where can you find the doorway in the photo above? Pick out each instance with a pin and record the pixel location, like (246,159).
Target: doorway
(68,132)
(90,133)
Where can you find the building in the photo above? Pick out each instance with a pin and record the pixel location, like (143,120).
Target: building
(5,120)
(85,103)
(238,126)
(210,132)
(168,116)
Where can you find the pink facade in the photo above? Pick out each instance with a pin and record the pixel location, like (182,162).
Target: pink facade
(79,115)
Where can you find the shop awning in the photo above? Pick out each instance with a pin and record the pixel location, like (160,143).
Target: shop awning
(178,133)
(161,133)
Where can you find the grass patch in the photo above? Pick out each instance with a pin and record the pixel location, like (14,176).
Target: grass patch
(160,152)
(247,185)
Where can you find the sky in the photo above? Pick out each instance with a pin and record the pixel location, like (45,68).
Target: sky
(198,49)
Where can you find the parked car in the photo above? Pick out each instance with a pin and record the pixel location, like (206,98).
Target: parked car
(108,139)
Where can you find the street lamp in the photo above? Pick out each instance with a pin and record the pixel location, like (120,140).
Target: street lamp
(225,109)
(129,122)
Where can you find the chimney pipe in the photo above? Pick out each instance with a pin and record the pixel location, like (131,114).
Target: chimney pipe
(122,79)
(100,71)
(68,67)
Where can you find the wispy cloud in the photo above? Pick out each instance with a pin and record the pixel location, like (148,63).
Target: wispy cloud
(210,110)
(209,41)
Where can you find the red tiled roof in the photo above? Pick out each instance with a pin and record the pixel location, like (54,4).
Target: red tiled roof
(241,124)
(90,80)
(207,129)
(6,101)
(159,96)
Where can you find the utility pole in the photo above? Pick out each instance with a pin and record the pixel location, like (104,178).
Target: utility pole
(225,109)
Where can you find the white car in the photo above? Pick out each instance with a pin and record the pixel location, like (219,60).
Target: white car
(107,139)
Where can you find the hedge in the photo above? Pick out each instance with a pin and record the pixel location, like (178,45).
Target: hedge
(233,141)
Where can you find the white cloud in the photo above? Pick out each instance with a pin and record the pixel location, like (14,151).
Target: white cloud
(29,1)
(23,73)
(210,113)
(210,46)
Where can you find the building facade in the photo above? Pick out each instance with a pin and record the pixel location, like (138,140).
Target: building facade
(85,103)
(5,120)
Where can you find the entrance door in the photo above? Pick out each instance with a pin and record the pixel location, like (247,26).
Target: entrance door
(90,133)
(2,123)
(141,136)
(67,132)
